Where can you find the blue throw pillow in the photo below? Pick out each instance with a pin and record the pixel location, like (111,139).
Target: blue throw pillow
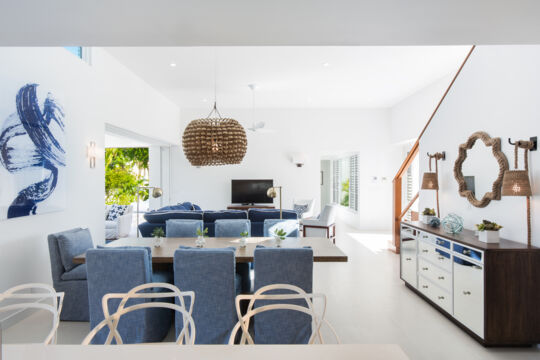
(71,244)
(116,211)
(187,205)
(159,217)
(196,207)
(300,209)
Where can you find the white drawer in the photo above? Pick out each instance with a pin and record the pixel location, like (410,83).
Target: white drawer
(408,261)
(435,274)
(469,294)
(436,294)
(437,256)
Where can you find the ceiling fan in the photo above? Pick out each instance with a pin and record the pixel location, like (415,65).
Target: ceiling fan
(257,126)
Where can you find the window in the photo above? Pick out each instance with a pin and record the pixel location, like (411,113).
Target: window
(75,50)
(345,182)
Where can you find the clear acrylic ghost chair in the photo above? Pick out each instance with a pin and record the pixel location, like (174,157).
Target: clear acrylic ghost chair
(186,336)
(34,296)
(295,293)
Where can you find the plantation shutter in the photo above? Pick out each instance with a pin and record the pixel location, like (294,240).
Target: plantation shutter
(336,180)
(353,183)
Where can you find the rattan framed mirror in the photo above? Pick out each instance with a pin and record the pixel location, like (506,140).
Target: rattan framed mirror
(492,189)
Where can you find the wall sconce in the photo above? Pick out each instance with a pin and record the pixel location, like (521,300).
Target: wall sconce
(299,159)
(430,180)
(91,153)
(516,182)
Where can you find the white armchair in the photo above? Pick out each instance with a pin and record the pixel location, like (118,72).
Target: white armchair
(120,227)
(310,203)
(322,226)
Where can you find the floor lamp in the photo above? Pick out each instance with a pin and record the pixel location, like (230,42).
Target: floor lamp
(156,192)
(272,193)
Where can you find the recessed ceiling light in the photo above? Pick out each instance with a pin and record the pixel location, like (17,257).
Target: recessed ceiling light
(172,64)
(326,64)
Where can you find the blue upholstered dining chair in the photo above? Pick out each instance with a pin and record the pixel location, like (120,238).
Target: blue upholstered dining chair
(283,266)
(289,226)
(233,228)
(118,270)
(67,277)
(183,228)
(210,273)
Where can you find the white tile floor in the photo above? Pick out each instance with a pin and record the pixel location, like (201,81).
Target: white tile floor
(367,303)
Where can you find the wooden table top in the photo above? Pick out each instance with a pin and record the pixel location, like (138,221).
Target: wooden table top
(323,249)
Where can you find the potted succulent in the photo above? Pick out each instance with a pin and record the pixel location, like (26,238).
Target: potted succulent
(243,240)
(427,215)
(158,234)
(279,235)
(488,231)
(201,234)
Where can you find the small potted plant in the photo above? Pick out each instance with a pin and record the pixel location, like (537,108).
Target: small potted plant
(427,215)
(279,235)
(201,234)
(243,240)
(158,234)
(488,231)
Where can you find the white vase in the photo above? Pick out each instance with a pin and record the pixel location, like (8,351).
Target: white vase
(427,218)
(158,241)
(278,241)
(488,236)
(243,242)
(200,242)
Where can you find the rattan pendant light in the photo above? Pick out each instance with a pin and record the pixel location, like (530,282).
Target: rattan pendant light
(214,140)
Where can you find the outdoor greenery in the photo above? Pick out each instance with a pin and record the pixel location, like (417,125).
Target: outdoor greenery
(125,170)
(345,193)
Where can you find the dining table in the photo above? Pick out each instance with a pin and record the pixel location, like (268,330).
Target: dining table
(324,250)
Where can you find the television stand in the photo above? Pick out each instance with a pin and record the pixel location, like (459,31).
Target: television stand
(247,207)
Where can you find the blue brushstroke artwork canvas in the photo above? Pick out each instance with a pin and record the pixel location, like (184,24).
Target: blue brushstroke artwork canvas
(32,154)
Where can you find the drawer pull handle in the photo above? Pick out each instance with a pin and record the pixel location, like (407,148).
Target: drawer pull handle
(440,297)
(408,259)
(440,257)
(440,242)
(466,293)
(441,277)
(425,268)
(425,286)
(466,252)
(424,236)
(425,251)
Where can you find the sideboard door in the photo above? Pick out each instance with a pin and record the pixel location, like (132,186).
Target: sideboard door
(409,260)
(469,294)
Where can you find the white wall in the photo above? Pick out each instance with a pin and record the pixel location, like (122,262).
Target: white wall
(91,96)
(496,92)
(312,131)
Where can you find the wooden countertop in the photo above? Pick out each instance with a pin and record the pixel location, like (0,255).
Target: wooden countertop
(466,237)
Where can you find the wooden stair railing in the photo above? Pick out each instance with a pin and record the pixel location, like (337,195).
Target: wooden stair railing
(397,212)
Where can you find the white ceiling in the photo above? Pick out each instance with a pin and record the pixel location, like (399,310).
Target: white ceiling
(328,77)
(271,22)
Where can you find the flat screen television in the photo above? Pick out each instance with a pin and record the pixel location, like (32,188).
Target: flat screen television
(251,191)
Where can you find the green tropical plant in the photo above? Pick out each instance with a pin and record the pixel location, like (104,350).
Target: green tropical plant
(202,232)
(125,170)
(158,232)
(244,234)
(487,225)
(345,186)
(280,233)
(428,212)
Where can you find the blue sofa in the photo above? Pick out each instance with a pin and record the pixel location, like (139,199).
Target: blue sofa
(158,218)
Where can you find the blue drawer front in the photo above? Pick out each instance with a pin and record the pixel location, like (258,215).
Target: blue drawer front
(443,253)
(471,253)
(442,242)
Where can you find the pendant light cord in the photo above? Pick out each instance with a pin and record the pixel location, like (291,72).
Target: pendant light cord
(215,109)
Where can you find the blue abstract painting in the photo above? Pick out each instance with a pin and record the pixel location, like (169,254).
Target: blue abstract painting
(32,154)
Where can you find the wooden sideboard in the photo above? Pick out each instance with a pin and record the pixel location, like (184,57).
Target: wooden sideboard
(247,207)
(492,291)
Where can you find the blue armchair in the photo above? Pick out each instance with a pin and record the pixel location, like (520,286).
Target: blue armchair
(70,278)
(183,228)
(283,266)
(118,270)
(289,226)
(257,217)
(210,273)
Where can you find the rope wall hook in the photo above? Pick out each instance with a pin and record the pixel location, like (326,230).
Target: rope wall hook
(532,144)
(438,155)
